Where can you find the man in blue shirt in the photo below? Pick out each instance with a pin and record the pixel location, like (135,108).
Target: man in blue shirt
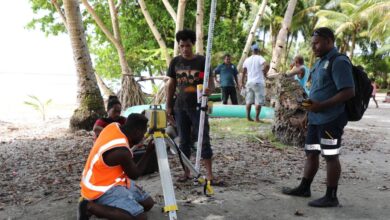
(327,117)
(228,80)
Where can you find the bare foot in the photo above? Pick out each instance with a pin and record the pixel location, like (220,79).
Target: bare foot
(257,120)
(250,119)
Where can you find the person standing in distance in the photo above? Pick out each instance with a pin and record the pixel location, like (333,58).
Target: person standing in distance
(227,79)
(256,68)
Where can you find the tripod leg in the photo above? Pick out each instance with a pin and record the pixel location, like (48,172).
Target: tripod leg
(166,178)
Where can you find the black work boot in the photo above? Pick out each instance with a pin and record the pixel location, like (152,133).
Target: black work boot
(303,190)
(82,210)
(329,200)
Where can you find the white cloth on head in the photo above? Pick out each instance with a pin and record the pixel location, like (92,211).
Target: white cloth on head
(254,66)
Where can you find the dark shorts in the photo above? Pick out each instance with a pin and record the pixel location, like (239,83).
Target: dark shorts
(326,138)
(229,91)
(187,123)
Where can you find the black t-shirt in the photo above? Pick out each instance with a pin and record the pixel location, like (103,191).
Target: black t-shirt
(188,74)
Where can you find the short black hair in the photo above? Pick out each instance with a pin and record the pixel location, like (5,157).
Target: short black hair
(186,34)
(226,55)
(300,59)
(324,32)
(112,100)
(135,121)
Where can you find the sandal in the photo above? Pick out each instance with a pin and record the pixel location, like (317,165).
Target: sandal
(215,182)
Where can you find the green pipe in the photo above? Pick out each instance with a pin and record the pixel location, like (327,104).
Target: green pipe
(239,111)
(223,111)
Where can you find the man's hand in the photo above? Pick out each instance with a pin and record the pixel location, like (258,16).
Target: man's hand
(208,91)
(170,118)
(151,146)
(312,106)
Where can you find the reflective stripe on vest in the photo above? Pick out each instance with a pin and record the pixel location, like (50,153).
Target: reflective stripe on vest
(98,177)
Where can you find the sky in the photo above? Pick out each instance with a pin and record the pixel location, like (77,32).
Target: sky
(32,64)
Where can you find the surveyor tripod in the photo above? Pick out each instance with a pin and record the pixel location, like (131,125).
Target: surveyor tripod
(156,129)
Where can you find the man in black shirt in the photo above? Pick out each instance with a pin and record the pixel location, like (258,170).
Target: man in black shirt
(185,108)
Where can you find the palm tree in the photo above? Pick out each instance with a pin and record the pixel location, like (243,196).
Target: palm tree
(351,18)
(378,16)
(282,37)
(89,98)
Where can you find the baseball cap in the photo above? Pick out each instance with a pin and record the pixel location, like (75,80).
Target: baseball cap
(255,47)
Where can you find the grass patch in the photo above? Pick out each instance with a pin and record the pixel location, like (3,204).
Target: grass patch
(242,128)
(269,136)
(236,127)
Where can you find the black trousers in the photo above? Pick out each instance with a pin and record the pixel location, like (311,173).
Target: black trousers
(229,91)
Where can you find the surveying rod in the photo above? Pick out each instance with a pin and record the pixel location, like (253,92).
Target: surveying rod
(205,84)
(156,128)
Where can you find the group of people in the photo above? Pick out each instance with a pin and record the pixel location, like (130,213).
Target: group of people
(107,186)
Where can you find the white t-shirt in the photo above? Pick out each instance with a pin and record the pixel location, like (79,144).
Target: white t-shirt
(254,66)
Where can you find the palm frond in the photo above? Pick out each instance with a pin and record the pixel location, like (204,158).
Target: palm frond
(348,7)
(333,15)
(345,27)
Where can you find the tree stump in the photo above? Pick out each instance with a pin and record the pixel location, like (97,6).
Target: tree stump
(131,93)
(290,123)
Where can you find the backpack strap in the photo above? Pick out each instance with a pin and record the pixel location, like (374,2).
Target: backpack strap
(331,60)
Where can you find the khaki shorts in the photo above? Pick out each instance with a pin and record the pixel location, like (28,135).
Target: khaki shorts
(255,93)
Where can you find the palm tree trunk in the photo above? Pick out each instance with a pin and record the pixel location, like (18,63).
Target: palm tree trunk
(353,45)
(251,35)
(90,102)
(264,33)
(179,23)
(155,32)
(290,39)
(281,40)
(199,27)
(289,123)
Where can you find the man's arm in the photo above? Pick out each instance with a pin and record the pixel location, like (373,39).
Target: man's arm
(236,79)
(211,85)
(265,68)
(123,157)
(171,86)
(342,96)
(243,77)
(235,75)
(295,71)
(216,72)
(96,130)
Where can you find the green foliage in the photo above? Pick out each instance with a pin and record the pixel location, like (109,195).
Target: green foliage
(368,18)
(38,105)
(47,20)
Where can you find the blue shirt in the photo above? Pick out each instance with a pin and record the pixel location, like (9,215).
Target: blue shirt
(304,79)
(227,74)
(325,86)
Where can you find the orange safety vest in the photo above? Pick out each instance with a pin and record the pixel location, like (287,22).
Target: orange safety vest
(97,176)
